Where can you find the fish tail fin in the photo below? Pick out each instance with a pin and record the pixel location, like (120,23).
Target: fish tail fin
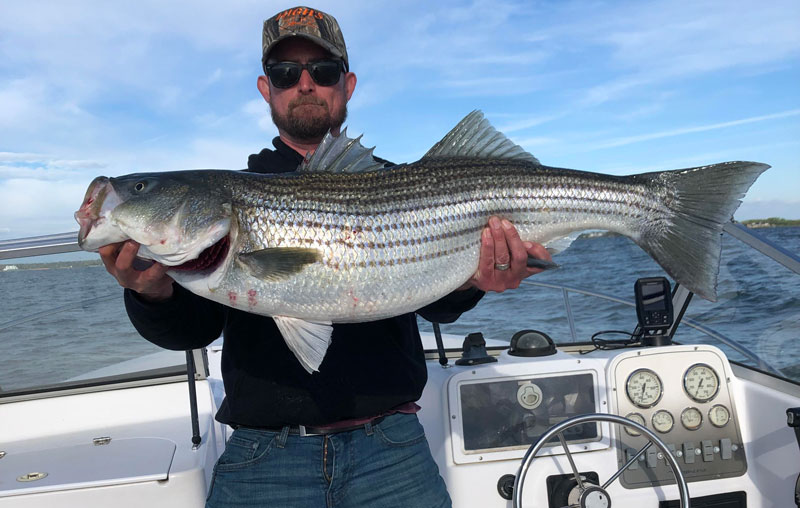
(687,241)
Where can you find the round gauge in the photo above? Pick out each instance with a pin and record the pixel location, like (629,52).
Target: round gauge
(701,382)
(691,418)
(636,417)
(719,415)
(644,388)
(663,421)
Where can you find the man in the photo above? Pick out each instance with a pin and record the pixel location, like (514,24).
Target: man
(366,446)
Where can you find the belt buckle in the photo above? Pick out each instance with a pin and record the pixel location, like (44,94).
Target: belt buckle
(303,433)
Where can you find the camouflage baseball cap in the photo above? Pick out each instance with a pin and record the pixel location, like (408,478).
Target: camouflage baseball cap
(312,24)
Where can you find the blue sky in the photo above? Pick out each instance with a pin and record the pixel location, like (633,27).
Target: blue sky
(93,87)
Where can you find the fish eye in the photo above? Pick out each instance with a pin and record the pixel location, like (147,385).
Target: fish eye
(139,187)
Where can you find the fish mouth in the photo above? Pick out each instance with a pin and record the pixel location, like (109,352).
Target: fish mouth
(209,259)
(89,212)
(99,200)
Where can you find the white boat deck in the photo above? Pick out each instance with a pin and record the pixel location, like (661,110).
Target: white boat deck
(150,460)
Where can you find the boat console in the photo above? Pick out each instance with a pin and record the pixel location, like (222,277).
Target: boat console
(482,419)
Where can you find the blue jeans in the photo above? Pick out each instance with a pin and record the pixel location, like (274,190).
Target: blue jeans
(388,465)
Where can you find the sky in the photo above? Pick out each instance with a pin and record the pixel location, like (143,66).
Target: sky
(91,88)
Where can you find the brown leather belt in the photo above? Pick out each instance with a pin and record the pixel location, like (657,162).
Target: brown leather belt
(303,430)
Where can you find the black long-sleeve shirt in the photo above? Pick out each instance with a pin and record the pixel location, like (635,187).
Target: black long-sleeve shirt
(368,369)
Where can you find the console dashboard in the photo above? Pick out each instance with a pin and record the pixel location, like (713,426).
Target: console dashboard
(684,396)
(493,412)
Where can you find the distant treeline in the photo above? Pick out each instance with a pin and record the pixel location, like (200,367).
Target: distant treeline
(771,222)
(54,265)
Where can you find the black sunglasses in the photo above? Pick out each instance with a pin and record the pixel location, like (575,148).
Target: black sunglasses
(287,74)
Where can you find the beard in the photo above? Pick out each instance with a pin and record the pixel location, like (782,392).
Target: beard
(309,124)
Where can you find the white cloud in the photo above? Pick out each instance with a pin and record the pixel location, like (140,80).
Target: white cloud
(527,123)
(656,42)
(89,87)
(259,110)
(31,206)
(689,130)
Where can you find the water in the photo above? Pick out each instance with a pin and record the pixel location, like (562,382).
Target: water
(758,300)
(59,323)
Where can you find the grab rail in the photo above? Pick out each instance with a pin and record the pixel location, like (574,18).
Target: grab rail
(761,364)
(39,245)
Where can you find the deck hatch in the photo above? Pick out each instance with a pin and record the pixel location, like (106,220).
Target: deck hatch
(121,461)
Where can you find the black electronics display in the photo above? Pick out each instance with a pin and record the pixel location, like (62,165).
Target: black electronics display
(511,414)
(653,304)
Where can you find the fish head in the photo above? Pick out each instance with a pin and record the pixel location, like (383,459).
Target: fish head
(175,217)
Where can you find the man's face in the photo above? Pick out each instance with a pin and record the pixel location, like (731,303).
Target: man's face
(306,111)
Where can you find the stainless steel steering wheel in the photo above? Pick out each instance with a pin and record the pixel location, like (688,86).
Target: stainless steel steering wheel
(594,496)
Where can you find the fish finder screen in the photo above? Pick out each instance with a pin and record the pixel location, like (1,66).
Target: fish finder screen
(653,296)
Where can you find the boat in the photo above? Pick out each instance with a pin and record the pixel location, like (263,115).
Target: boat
(692,408)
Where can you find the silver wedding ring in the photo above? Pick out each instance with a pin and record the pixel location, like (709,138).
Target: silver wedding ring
(501,266)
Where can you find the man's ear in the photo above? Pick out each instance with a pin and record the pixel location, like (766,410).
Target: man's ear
(263,87)
(349,84)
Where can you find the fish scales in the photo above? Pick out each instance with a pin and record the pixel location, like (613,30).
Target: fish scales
(416,228)
(344,240)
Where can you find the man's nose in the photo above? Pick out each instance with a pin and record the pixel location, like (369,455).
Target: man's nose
(306,83)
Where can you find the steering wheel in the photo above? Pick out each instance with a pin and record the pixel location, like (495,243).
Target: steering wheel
(593,496)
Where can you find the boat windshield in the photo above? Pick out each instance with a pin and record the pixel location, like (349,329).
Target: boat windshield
(63,326)
(755,319)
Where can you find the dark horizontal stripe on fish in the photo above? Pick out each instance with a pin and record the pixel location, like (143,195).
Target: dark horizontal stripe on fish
(340,200)
(447,197)
(380,245)
(404,182)
(397,262)
(601,207)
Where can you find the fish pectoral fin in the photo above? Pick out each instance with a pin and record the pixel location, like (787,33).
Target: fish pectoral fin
(541,264)
(306,339)
(277,263)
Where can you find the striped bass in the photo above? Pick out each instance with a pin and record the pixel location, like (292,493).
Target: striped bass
(345,240)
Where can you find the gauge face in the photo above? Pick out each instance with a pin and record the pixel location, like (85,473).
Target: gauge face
(644,388)
(691,418)
(719,416)
(701,382)
(636,417)
(663,421)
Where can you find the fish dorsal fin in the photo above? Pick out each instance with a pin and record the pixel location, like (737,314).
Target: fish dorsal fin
(306,339)
(340,154)
(475,137)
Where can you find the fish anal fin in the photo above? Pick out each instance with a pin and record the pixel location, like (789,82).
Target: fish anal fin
(277,263)
(306,339)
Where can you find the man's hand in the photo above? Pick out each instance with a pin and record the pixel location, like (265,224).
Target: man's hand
(152,284)
(502,247)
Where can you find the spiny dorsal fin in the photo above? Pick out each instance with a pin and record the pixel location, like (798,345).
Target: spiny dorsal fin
(340,154)
(474,136)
